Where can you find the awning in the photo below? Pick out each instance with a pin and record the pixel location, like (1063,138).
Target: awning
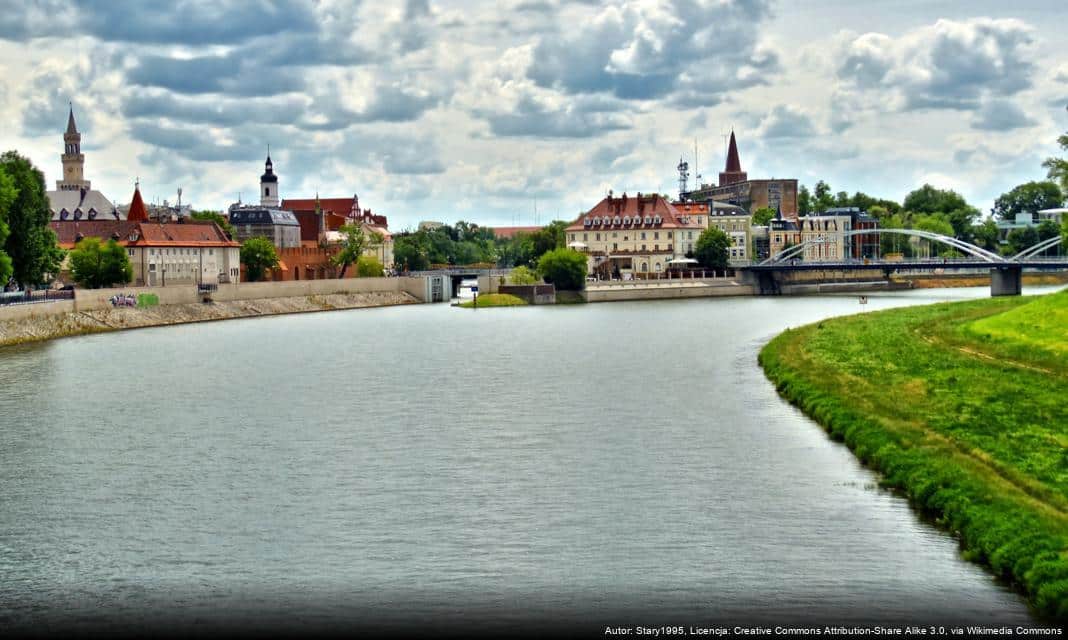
(282,266)
(576,245)
(682,261)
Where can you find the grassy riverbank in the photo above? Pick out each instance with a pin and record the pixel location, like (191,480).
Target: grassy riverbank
(962,406)
(494,300)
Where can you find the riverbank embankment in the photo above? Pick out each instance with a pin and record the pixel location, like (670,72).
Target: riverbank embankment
(92,311)
(948,280)
(962,411)
(665,289)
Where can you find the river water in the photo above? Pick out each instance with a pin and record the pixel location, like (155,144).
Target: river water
(622,464)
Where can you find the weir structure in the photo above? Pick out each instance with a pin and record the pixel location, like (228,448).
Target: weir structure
(1005,272)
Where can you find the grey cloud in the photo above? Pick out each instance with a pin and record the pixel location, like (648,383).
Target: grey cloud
(1001,115)
(643,52)
(785,121)
(531,118)
(949,65)
(214,111)
(189,22)
(192,143)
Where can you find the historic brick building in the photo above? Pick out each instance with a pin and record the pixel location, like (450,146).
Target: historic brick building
(735,187)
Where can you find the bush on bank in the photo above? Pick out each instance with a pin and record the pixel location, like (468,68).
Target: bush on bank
(977,443)
(494,300)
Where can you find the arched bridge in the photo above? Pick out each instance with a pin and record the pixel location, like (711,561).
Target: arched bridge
(1005,272)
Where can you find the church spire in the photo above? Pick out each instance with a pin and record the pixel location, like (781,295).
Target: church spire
(269,184)
(71,127)
(137,212)
(733,171)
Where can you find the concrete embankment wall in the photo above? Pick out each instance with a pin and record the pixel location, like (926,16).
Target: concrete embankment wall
(843,287)
(97,299)
(707,288)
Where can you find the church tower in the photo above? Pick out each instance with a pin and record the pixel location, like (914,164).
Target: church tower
(73,159)
(733,171)
(269,184)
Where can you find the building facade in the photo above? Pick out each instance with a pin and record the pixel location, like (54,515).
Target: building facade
(266,219)
(74,198)
(736,188)
(634,236)
(184,253)
(321,220)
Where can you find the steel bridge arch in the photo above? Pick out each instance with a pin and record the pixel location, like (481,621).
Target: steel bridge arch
(1032,252)
(965,247)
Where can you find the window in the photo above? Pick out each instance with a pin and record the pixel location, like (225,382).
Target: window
(266,191)
(572,237)
(643,235)
(645,267)
(658,266)
(656,235)
(596,236)
(669,235)
(585,236)
(615,246)
(643,247)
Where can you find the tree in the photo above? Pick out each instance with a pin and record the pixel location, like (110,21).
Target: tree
(804,201)
(1030,197)
(217,218)
(258,255)
(985,234)
(1022,238)
(712,249)
(31,243)
(409,253)
(355,241)
(823,198)
(929,200)
(7,196)
(1058,167)
(761,217)
(369,267)
(523,275)
(564,268)
(94,264)
(936,223)
(549,237)
(1048,229)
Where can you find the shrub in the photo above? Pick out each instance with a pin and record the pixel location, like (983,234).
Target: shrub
(523,275)
(563,268)
(369,267)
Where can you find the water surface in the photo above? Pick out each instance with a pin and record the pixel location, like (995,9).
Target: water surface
(623,463)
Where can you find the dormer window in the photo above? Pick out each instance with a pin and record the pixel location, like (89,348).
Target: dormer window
(616,220)
(64,214)
(657,220)
(648,220)
(78,214)
(92,214)
(587,222)
(626,219)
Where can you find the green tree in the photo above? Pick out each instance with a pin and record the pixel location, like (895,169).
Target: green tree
(523,275)
(549,237)
(31,243)
(94,264)
(929,200)
(7,196)
(369,267)
(804,201)
(1030,197)
(1022,238)
(1058,167)
(712,249)
(217,218)
(410,252)
(823,198)
(985,234)
(355,241)
(564,268)
(761,217)
(258,255)
(1048,229)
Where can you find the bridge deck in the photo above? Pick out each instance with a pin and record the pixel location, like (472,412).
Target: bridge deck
(914,265)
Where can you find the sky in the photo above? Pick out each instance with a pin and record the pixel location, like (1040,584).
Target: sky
(524,111)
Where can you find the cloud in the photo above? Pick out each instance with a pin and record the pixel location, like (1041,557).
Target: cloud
(190,22)
(573,119)
(1001,115)
(948,65)
(650,50)
(787,121)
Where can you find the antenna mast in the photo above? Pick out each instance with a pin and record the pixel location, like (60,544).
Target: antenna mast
(684,177)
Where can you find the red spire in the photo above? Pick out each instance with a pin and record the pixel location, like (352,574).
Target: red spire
(137,211)
(734,165)
(733,171)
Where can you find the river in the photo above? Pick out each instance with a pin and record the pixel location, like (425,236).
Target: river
(493,469)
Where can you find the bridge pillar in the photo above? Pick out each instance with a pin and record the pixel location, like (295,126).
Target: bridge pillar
(1006,281)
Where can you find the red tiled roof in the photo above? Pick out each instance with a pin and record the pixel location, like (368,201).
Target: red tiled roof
(509,232)
(634,210)
(148,234)
(137,212)
(345,207)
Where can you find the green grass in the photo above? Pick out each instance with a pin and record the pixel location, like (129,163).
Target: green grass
(494,300)
(973,430)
